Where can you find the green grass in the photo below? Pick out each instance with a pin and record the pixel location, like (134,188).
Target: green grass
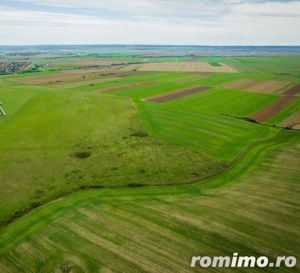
(285,113)
(224,102)
(14,98)
(107,182)
(158,230)
(278,66)
(56,142)
(217,135)
(163,82)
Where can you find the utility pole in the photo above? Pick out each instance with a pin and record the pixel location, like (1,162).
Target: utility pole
(1,109)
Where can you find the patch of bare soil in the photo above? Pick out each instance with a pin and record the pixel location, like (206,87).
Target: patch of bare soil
(293,90)
(272,109)
(177,94)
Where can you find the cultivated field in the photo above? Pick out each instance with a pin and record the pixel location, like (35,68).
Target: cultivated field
(293,90)
(67,76)
(184,66)
(137,168)
(177,94)
(292,121)
(273,108)
(159,230)
(267,86)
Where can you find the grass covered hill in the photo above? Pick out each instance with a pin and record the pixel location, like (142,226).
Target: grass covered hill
(95,176)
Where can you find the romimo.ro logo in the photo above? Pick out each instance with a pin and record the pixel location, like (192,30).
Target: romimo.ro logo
(242,261)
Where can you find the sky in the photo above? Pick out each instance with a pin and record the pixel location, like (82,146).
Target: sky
(163,22)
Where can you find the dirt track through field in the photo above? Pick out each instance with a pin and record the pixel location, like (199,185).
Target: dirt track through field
(273,108)
(177,94)
(292,121)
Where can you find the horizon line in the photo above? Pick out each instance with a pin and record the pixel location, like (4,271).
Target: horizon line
(162,45)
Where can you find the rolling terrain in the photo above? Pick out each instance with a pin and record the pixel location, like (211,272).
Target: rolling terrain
(122,165)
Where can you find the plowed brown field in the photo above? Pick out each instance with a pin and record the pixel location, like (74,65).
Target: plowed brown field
(272,109)
(177,94)
(293,90)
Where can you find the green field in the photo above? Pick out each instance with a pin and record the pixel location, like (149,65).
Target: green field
(95,178)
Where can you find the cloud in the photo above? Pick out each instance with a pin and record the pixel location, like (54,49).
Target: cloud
(149,22)
(168,7)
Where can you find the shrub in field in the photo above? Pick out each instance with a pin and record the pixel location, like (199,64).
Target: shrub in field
(139,134)
(82,154)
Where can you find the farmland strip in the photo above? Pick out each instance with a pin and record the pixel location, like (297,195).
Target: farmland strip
(273,108)
(292,90)
(292,121)
(177,94)
(127,86)
(251,85)
(186,66)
